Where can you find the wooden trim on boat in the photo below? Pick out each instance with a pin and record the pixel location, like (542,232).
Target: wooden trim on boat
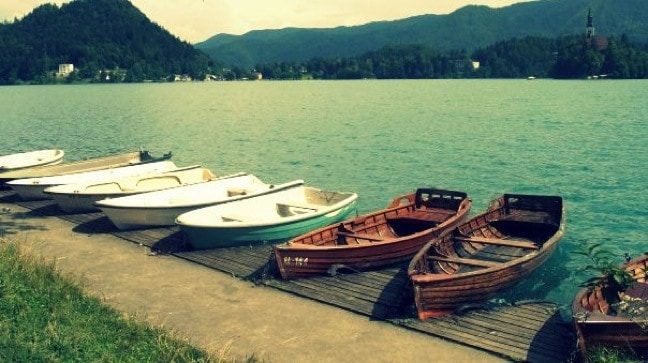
(465,261)
(502,242)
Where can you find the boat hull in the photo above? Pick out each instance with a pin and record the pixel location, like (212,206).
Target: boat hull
(144,217)
(161,208)
(81,198)
(623,334)
(325,251)
(486,255)
(30,159)
(200,238)
(271,217)
(595,327)
(81,203)
(111,161)
(34,188)
(441,297)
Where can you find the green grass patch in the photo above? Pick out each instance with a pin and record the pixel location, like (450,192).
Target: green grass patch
(603,354)
(46,316)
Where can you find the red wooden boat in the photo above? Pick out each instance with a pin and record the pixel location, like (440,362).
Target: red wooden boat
(376,239)
(600,319)
(489,253)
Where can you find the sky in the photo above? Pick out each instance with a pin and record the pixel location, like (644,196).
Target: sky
(197,20)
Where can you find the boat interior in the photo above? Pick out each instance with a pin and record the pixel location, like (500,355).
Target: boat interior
(481,243)
(406,216)
(381,227)
(291,208)
(159,182)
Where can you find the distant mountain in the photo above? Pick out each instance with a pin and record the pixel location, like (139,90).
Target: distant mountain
(109,36)
(467,29)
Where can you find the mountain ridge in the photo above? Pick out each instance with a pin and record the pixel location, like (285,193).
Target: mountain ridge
(467,28)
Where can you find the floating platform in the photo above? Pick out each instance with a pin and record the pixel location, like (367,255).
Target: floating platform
(530,332)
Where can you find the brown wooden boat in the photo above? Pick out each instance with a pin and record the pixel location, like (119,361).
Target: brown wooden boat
(381,238)
(489,253)
(614,319)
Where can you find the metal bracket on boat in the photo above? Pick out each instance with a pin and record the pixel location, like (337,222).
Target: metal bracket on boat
(333,270)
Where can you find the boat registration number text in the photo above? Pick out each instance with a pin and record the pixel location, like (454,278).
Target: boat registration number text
(295,261)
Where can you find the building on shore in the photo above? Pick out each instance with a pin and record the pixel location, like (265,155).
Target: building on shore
(64,69)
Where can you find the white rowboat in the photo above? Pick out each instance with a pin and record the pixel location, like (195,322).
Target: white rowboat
(161,208)
(104,162)
(30,159)
(80,197)
(33,188)
(269,218)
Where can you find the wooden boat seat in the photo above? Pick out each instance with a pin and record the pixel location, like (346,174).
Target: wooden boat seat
(501,242)
(437,211)
(297,204)
(369,237)
(528,216)
(422,215)
(464,261)
(365,225)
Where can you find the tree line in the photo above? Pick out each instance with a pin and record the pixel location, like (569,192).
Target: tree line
(112,41)
(109,36)
(569,57)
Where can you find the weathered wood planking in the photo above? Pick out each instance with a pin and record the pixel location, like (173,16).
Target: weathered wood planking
(540,337)
(531,332)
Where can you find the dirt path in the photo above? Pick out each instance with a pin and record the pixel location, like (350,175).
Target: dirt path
(217,311)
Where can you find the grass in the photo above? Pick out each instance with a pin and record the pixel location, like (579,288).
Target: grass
(602,354)
(46,316)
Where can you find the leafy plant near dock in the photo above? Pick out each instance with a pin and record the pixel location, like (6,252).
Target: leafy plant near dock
(47,317)
(608,272)
(613,280)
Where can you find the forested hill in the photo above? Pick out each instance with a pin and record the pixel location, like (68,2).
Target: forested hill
(468,29)
(109,36)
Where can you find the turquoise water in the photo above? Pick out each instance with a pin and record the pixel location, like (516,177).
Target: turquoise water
(583,140)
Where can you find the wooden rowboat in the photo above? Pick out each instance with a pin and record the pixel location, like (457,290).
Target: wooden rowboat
(30,159)
(491,252)
(614,319)
(376,239)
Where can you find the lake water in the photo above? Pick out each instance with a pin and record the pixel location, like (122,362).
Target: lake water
(584,140)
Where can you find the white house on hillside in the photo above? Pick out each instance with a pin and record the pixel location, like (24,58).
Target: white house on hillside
(65,69)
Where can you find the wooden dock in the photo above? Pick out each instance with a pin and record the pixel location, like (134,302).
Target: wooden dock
(531,332)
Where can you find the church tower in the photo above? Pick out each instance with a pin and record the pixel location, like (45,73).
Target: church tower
(589,31)
(597,42)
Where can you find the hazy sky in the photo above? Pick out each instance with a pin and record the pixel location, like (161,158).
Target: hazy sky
(197,20)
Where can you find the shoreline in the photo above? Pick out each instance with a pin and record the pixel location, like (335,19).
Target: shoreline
(215,311)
